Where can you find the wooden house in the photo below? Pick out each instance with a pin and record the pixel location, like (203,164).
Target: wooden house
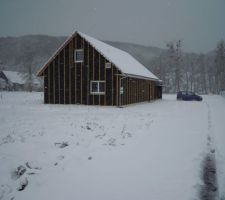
(85,70)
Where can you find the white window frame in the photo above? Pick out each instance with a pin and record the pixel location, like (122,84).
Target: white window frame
(98,92)
(75,55)
(108,65)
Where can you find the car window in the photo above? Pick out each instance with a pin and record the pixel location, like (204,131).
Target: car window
(190,93)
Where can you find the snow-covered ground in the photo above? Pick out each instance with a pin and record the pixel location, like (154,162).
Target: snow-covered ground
(143,151)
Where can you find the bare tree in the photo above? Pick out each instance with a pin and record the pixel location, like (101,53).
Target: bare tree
(189,71)
(175,55)
(28,63)
(201,62)
(220,66)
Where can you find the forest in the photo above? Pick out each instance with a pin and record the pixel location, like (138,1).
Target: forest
(202,73)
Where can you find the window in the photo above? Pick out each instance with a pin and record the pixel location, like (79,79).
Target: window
(190,93)
(97,87)
(108,65)
(78,55)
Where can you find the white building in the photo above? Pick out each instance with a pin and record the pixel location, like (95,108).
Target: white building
(17,81)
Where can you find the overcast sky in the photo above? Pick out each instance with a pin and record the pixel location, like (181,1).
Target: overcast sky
(199,23)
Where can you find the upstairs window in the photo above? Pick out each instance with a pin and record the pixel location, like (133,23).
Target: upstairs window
(97,87)
(108,65)
(78,55)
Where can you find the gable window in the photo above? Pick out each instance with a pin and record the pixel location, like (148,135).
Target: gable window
(97,87)
(78,55)
(108,65)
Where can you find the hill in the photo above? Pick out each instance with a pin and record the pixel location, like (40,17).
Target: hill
(15,50)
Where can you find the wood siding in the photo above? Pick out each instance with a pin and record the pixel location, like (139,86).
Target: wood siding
(68,82)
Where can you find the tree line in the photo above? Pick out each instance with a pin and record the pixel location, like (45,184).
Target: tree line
(202,73)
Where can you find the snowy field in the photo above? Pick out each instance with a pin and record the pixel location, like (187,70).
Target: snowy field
(144,151)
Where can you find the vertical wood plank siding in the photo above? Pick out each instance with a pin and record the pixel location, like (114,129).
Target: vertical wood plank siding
(46,86)
(90,57)
(84,73)
(56,80)
(51,89)
(68,82)
(61,77)
(109,81)
(67,75)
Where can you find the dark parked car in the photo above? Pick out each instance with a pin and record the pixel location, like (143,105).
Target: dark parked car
(188,96)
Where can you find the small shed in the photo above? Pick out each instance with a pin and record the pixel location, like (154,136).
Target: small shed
(87,71)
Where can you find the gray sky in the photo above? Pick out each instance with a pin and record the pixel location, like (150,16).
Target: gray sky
(199,23)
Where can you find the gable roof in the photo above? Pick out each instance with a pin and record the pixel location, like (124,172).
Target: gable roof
(122,60)
(14,77)
(18,77)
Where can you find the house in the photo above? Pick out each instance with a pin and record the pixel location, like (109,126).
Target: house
(85,70)
(16,81)
(4,83)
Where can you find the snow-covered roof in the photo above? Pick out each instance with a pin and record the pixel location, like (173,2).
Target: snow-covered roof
(123,60)
(14,77)
(18,77)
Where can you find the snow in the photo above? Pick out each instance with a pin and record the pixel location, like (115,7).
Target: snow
(143,151)
(123,60)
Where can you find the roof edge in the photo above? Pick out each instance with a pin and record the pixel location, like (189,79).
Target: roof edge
(40,71)
(117,66)
(143,77)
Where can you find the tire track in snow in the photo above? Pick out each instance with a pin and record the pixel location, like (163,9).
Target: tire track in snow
(209,189)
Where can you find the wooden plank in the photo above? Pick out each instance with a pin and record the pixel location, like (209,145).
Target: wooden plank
(81,73)
(59,76)
(102,77)
(117,89)
(127,91)
(72,73)
(105,82)
(49,84)
(114,80)
(62,77)
(90,73)
(93,71)
(64,74)
(56,80)
(84,73)
(67,75)
(88,81)
(96,74)
(108,84)
(70,67)
(99,76)
(53,70)
(112,95)
(128,86)
(46,99)
(75,71)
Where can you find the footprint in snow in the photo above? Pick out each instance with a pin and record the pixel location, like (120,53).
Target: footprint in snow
(59,158)
(23,184)
(32,165)
(18,172)
(5,190)
(61,144)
